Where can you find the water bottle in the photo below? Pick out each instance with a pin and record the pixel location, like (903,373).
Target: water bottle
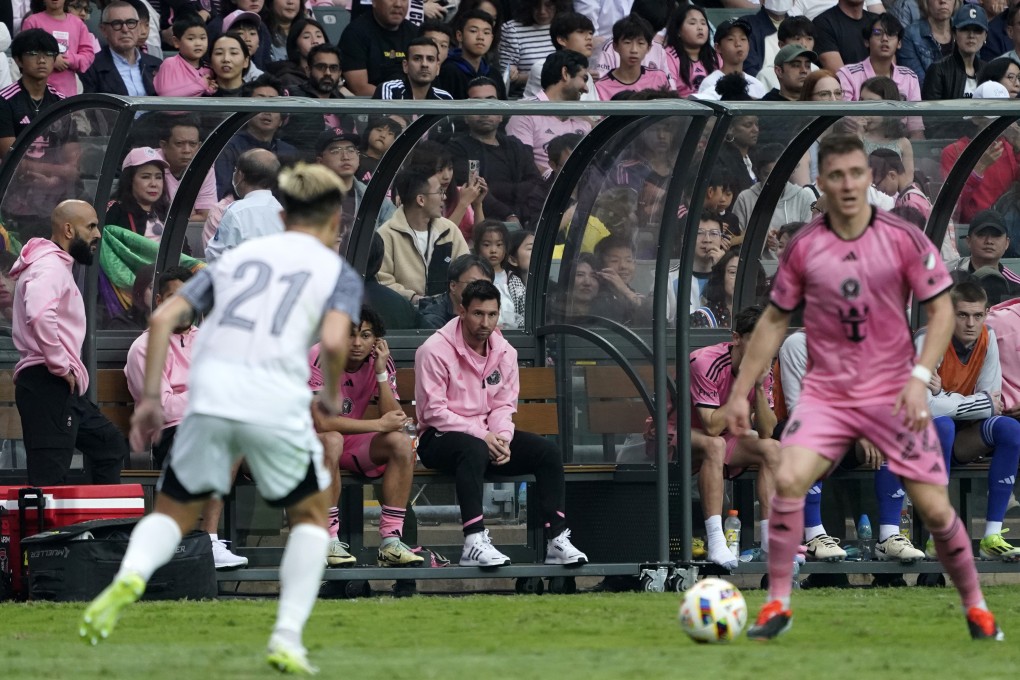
(411,430)
(864,540)
(522,503)
(907,521)
(731,528)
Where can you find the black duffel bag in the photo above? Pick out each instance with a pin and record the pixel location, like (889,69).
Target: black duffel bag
(76,562)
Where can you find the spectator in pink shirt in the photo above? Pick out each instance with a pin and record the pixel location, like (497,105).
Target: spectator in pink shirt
(632,38)
(183,75)
(690,56)
(564,78)
(76,46)
(179,139)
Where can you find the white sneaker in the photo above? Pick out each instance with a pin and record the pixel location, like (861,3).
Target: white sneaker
(337,555)
(224,559)
(479,552)
(825,548)
(897,548)
(560,550)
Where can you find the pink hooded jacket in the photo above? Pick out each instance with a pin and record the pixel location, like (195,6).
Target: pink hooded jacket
(1004,319)
(49,313)
(173,391)
(454,393)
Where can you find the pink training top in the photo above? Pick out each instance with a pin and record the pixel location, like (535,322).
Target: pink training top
(358,388)
(76,46)
(650,79)
(852,76)
(697,73)
(173,391)
(859,345)
(712,376)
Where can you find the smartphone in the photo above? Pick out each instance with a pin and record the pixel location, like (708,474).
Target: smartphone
(472,171)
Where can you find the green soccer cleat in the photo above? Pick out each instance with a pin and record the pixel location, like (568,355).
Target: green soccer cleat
(290,660)
(995,547)
(101,615)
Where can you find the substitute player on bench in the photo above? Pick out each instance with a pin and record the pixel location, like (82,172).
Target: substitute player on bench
(264,303)
(966,403)
(854,269)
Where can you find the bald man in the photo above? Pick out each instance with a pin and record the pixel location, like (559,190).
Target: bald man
(50,379)
(257,213)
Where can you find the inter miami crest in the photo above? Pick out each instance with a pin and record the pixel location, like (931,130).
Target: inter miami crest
(347,406)
(851,289)
(494,378)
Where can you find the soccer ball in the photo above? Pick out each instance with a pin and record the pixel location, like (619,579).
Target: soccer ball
(713,611)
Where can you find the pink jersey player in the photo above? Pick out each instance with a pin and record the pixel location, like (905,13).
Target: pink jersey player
(854,269)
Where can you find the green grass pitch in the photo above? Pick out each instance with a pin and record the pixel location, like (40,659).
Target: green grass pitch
(900,633)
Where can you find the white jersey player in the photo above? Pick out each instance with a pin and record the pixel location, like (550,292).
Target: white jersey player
(266,301)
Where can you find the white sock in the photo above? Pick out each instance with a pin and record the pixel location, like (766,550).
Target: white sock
(887,531)
(714,532)
(763,527)
(304,560)
(213,537)
(812,532)
(992,528)
(153,543)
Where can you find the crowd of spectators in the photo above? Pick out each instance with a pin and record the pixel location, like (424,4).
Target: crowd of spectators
(477,184)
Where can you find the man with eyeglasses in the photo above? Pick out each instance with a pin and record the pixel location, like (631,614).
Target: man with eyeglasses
(419,242)
(120,67)
(179,139)
(337,150)
(438,310)
(324,83)
(421,66)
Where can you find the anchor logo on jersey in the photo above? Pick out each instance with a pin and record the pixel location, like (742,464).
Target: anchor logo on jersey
(853,321)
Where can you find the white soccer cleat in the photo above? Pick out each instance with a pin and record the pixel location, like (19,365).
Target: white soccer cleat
(560,550)
(897,548)
(479,552)
(224,559)
(825,548)
(337,555)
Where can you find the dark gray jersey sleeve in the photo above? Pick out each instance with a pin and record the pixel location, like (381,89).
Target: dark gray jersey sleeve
(198,291)
(347,295)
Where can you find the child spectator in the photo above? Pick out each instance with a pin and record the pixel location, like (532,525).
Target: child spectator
(617,299)
(718,200)
(142,199)
(632,38)
(732,44)
(525,39)
(183,75)
(83,10)
(883,36)
(441,34)
(490,243)
(249,26)
(689,56)
(793,31)
(219,25)
(380,132)
(229,60)
(76,47)
(469,62)
(518,264)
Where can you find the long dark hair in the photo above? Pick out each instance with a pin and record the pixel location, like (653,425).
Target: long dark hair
(273,23)
(706,53)
(299,25)
(126,197)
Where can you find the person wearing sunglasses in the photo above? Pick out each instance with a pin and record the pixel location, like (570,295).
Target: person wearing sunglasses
(120,67)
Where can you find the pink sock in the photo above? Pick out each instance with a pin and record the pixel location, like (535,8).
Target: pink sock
(391,521)
(955,553)
(786,529)
(334,522)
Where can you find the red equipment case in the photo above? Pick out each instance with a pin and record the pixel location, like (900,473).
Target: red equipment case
(27,511)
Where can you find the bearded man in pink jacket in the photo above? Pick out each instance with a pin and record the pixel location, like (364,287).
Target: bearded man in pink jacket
(50,380)
(466,389)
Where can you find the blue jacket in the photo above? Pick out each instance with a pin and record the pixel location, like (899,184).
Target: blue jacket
(998,41)
(103,76)
(919,49)
(761,27)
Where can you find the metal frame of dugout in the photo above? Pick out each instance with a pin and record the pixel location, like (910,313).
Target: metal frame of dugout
(705,126)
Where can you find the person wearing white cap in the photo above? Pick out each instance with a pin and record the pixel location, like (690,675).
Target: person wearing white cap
(997,168)
(142,200)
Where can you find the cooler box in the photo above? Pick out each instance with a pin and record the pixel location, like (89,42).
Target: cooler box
(27,511)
